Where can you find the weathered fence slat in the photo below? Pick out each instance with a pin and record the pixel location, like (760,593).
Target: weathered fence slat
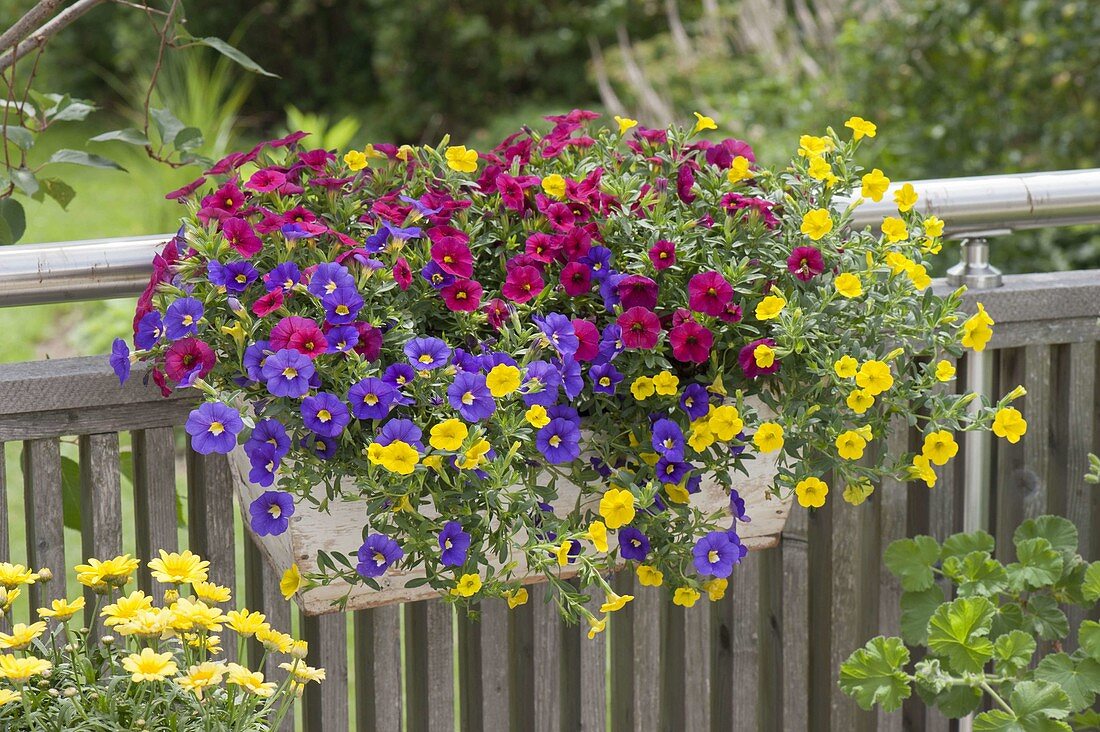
(521,666)
(849,596)
(262,595)
(1037,406)
(5,533)
(326,705)
(100,506)
(210,515)
(428,664)
(154,454)
(1079,434)
(743,605)
(548,637)
(648,606)
(794,622)
(45,517)
(696,684)
(672,685)
(593,679)
(377,667)
(1009,487)
(620,632)
(482,668)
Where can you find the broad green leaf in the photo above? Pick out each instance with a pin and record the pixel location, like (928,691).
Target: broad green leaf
(1059,531)
(1091,587)
(976,574)
(1039,565)
(1047,619)
(234,55)
(1088,719)
(73,110)
(916,611)
(168,126)
(1080,680)
(188,138)
(1012,652)
(957,632)
(1039,697)
(876,674)
(56,189)
(997,720)
(1088,635)
(911,560)
(959,545)
(21,136)
(79,157)
(24,180)
(1009,617)
(13,222)
(955,702)
(128,135)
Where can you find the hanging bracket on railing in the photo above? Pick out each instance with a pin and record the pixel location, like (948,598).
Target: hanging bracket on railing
(974,269)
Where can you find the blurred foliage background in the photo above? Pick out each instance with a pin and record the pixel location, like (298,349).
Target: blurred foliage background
(958,87)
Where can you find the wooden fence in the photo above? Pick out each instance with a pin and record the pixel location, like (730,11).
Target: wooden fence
(765,657)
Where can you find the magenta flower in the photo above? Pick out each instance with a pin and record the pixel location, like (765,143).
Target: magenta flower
(187,355)
(685,180)
(496,311)
(522,284)
(462,296)
(266,180)
(637,291)
(576,279)
(709,293)
(690,342)
(588,339)
(560,216)
(805,263)
(663,254)
(747,358)
(450,251)
(402,274)
(640,328)
(241,236)
(298,334)
(268,304)
(542,247)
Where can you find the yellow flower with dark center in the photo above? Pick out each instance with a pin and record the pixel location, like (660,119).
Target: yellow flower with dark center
(686,596)
(291,582)
(894,229)
(1010,424)
(725,422)
(21,636)
(502,380)
(642,388)
(768,437)
(850,445)
(355,160)
(615,602)
(817,223)
(617,507)
(874,185)
(650,576)
(860,400)
(764,355)
(811,492)
(179,568)
(251,681)
(845,367)
(149,665)
(874,377)
(905,197)
(448,435)
(461,159)
(553,185)
(62,609)
(21,669)
(860,127)
(939,447)
(468,585)
(770,307)
(597,534)
(848,285)
(536,416)
(400,457)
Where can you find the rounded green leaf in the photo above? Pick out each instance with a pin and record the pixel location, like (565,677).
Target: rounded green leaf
(1059,531)
(911,560)
(957,632)
(875,674)
(1080,680)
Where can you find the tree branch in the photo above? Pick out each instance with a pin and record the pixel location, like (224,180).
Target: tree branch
(43,34)
(22,28)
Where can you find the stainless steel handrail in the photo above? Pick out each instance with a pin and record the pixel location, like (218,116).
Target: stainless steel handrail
(32,274)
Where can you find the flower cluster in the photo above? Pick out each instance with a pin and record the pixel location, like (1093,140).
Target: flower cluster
(153,667)
(626,311)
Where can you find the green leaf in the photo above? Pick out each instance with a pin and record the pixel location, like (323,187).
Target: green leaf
(1059,531)
(1009,617)
(1088,719)
(1041,698)
(916,611)
(911,560)
(188,138)
(1039,566)
(976,573)
(1080,680)
(13,221)
(79,157)
(70,493)
(128,135)
(24,180)
(1091,586)
(955,702)
(876,674)
(56,189)
(1047,619)
(1012,652)
(957,632)
(21,136)
(234,55)
(1088,635)
(71,110)
(959,545)
(168,126)
(996,720)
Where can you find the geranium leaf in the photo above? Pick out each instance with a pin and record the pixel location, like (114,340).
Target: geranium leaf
(1039,566)
(911,560)
(1091,586)
(1047,619)
(1059,531)
(957,632)
(959,545)
(875,674)
(1039,697)
(1012,652)
(1088,635)
(916,611)
(1080,680)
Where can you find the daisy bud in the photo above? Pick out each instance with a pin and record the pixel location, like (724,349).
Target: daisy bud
(107,640)
(45,574)
(69,692)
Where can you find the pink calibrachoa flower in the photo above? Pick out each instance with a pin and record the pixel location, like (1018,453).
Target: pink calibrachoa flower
(709,293)
(266,180)
(560,216)
(450,251)
(576,279)
(685,181)
(640,328)
(588,339)
(805,263)
(228,199)
(747,359)
(241,237)
(462,295)
(721,155)
(269,303)
(187,190)
(663,254)
(637,291)
(542,246)
(185,355)
(732,313)
(496,310)
(370,341)
(735,202)
(577,242)
(691,342)
(512,190)
(402,273)
(298,334)
(522,284)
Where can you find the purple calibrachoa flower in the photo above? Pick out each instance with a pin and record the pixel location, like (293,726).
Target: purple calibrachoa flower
(283,277)
(737,507)
(436,277)
(671,471)
(471,397)
(264,464)
(571,380)
(715,554)
(633,544)
(213,427)
(427,353)
(287,373)
(254,357)
(325,414)
(455,543)
(342,305)
(322,447)
(233,276)
(329,277)
(342,338)
(559,441)
(695,401)
(668,439)
(269,432)
(399,376)
(541,384)
(182,318)
(558,331)
(605,377)
(400,429)
(271,513)
(371,398)
(150,329)
(120,360)
(377,554)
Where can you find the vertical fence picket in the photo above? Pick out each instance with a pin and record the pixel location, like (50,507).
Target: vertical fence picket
(377,670)
(428,664)
(521,667)
(770,666)
(1036,405)
(100,506)
(892,504)
(45,517)
(549,664)
(210,515)
(5,534)
(325,706)
(592,691)
(620,632)
(671,673)
(154,454)
(819,627)
(849,595)
(492,632)
(262,595)
(1010,487)
(1081,435)
(648,604)
(743,605)
(794,624)
(696,682)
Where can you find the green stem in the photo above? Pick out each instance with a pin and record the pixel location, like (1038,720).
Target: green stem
(996,697)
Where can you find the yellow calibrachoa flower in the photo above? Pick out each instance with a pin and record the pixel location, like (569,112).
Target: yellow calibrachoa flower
(898,262)
(536,416)
(597,534)
(474,456)
(516,598)
(251,681)
(1009,424)
(977,330)
(650,576)
(21,669)
(665,383)
(617,507)
(615,602)
(944,371)
(14,575)
(502,380)
(817,223)
(210,592)
(810,146)
(716,588)
(764,355)
(702,436)
(860,127)
(291,581)
(562,552)
(770,307)
(642,388)
(461,159)
(596,626)
(21,636)
(677,492)
(725,422)
(922,470)
(448,435)
(7,696)
(874,185)
(468,585)
(177,569)
(819,169)
(933,227)
(740,169)
(355,160)
(939,447)
(400,457)
(245,622)
(850,445)
(906,197)
(201,676)
(848,285)
(62,609)
(554,185)
(874,377)
(860,400)
(919,276)
(857,493)
(149,665)
(811,492)
(894,229)
(845,367)
(114,572)
(405,152)
(702,122)
(625,123)
(768,437)
(685,596)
